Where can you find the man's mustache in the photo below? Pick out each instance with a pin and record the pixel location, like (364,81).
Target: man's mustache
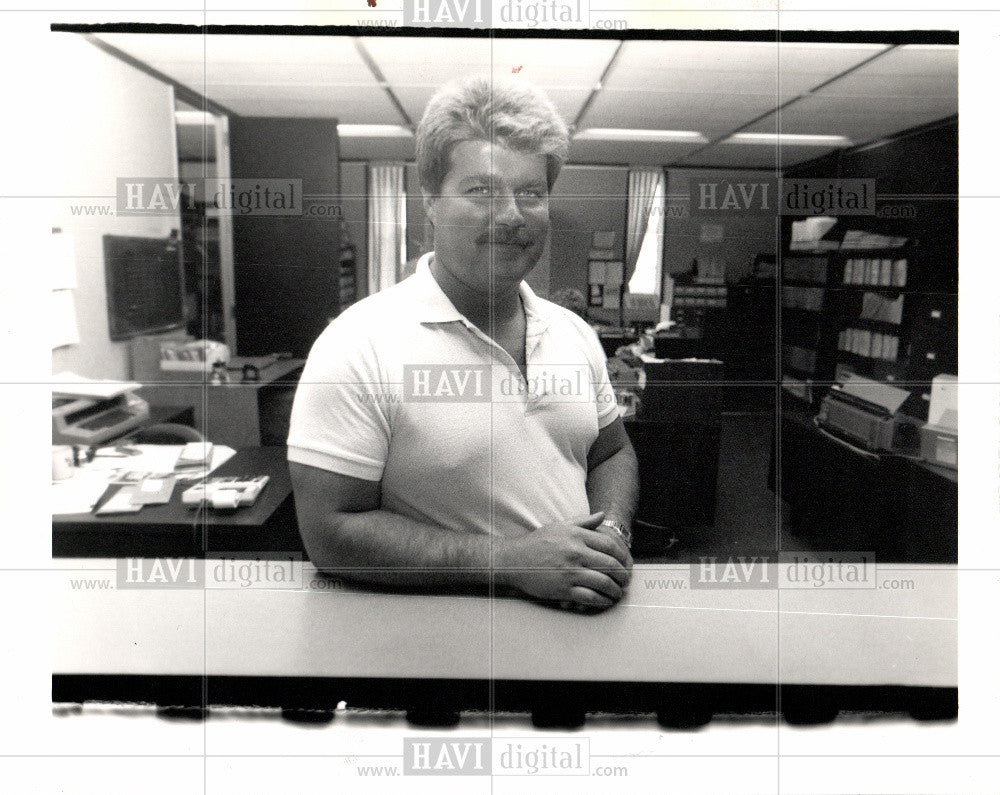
(500,237)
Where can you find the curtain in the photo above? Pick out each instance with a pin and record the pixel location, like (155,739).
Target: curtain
(386,225)
(642,184)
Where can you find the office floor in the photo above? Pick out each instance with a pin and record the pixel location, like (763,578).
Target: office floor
(746,510)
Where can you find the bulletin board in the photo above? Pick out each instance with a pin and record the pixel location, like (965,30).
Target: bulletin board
(605,272)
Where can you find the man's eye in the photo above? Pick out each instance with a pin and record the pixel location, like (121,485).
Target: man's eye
(478,190)
(530,193)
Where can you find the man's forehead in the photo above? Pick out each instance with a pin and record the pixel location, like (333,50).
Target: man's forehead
(493,160)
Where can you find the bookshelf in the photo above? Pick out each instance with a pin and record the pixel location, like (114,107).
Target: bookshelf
(808,317)
(874,312)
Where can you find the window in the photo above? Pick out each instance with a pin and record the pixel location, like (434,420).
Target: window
(647,276)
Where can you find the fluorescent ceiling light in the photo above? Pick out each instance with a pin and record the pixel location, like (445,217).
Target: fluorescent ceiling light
(614,134)
(198,117)
(373,131)
(788,139)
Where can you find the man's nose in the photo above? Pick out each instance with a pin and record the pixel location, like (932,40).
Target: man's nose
(505,210)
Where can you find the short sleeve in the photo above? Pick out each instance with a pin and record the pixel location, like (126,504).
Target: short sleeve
(604,393)
(339,416)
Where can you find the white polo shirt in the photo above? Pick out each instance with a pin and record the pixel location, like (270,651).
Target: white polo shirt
(402,388)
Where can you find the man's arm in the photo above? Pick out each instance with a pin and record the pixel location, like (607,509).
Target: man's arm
(613,474)
(346,532)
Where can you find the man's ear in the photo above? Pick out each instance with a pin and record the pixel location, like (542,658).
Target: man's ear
(429,201)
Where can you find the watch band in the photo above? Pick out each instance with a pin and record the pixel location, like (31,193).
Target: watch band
(623,531)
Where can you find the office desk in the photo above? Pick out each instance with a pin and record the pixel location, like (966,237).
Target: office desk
(676,439)
(175,529)
(678,474)
(321,642)
(667,345)
(902,510)
(232,414)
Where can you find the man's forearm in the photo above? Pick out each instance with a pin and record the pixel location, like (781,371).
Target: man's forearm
(385,548)
(613,486)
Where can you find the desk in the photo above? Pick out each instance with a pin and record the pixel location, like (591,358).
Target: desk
(233,414)
(678,474)
(676,439)
(667,345)
(902,510)
(320,642)
(175,529)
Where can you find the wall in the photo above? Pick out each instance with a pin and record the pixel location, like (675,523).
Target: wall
(117,122)
(354,205)
(586,199)
(744,234)
(419,233)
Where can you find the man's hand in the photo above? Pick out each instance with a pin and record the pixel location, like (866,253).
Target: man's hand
(569,562)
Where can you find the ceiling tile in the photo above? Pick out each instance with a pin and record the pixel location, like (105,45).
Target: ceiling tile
(756,67)
(285,74)
(634,153)
(862,119)
(414,99)
(159,47)
(825,59)
(705,112)
(350,105)
(709,87)
(329,51)
(911,70)
(548,63)
(754,156)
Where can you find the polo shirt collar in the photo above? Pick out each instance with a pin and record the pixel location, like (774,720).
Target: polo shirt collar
(433,306)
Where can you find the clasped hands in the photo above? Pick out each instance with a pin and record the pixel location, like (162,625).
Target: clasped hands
(570,562)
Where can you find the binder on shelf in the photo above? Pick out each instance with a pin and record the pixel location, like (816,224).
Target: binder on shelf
(899,273)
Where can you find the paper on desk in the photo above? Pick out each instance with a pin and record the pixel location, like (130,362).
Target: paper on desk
(67,383)
(220,454)
(78,494)
(889,397)
(81,492)
(157,458)
(121,502)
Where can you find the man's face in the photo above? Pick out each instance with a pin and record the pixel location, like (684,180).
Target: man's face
(491,216)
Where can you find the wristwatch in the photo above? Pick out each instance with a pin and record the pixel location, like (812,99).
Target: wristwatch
(624,531)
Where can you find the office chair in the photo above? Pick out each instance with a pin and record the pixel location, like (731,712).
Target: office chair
(166,433)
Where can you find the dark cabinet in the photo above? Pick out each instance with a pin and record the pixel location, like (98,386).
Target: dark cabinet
(286,266)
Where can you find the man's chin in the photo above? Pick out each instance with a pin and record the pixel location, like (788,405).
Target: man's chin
(512,271)
(508,251)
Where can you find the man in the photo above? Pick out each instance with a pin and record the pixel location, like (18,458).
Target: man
(456,430)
